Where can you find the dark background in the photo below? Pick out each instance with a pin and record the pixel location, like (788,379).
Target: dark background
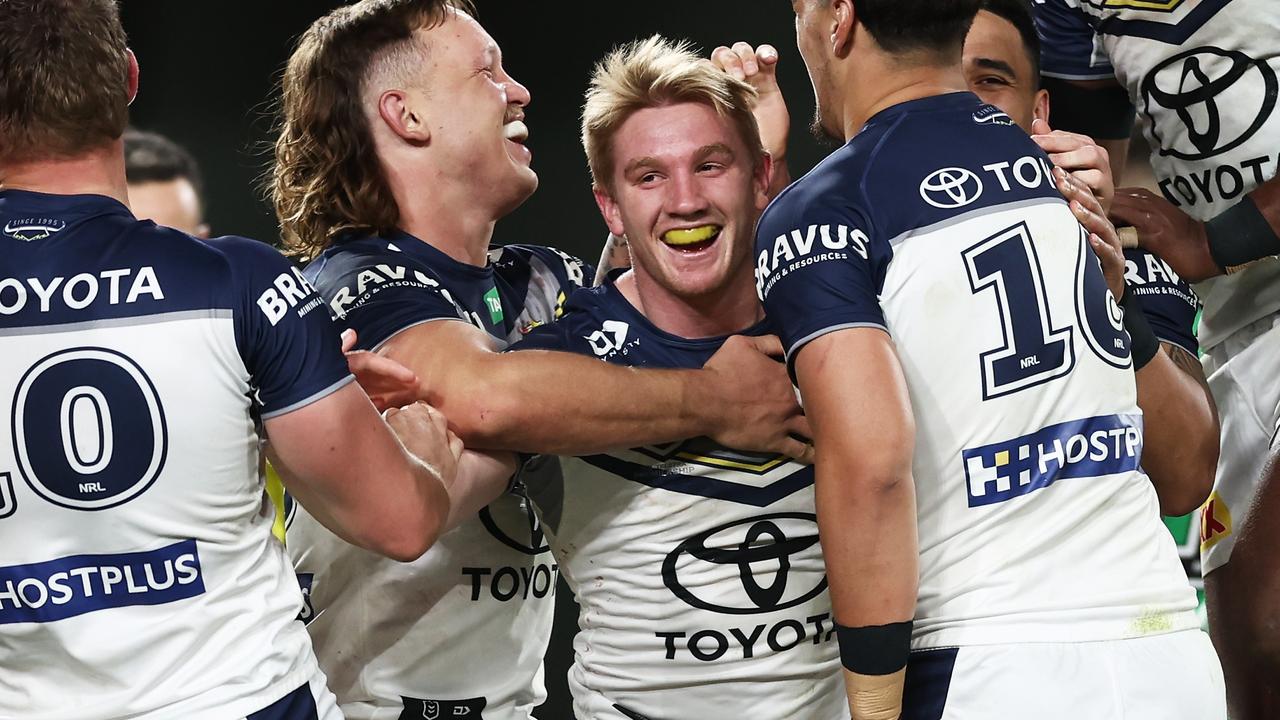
(209,70)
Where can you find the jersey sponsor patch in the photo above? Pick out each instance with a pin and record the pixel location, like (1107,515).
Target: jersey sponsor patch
(1092,447)
(1215,521)
(71,586)
(32,229)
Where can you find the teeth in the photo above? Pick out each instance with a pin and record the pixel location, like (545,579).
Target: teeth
(690,236)
(515,130)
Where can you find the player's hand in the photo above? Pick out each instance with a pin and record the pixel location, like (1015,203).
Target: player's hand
(1164,230)
(1079,155)
(425,433)
(758,67)
(388,383)
(1103,237)
(758,409)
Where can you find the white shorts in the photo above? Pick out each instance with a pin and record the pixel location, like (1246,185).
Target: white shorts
(1174,676)
(1244,376)
(311,701)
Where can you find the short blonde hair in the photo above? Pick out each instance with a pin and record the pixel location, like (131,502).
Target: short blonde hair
(652,73)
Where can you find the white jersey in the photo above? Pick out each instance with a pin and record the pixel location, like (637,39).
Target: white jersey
(460,632)
(447,631)
(139,577)
(697,568)
(1203,75)
(939,222)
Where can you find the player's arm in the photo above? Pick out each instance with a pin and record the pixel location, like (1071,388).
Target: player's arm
(758,67)
(483,477)
(339,459)
(1250,646)
(856,397)
(615,255)
(1180,428)
(1243,233)
(567,404)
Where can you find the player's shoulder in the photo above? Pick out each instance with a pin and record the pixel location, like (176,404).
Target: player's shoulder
(520,261)
(914,165)
(365,261)
(585,310)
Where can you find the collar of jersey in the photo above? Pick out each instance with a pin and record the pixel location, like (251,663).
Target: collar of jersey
(611,297)
(68,208)
(436,259)
(932,103)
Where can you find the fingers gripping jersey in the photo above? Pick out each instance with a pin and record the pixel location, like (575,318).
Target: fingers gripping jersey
(944,228)
(697,567)
(1203,75)
(464,627)
(139,577)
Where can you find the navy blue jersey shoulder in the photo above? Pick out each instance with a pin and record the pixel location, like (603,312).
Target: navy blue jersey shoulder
(912,168)
(1167,301)
(600,322)
(381,286)
(1069,46)
(83,261)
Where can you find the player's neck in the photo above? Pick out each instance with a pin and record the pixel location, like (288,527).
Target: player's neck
(451,225)
(874,89)
(732,310)
(96,172)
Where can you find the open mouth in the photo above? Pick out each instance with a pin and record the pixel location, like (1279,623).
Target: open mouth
(516,131)
(694,239)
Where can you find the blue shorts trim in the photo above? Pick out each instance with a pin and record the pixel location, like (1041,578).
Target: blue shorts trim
(297,705)
(924,695)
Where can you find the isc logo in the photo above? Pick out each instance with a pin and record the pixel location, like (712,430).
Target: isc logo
(1091,447)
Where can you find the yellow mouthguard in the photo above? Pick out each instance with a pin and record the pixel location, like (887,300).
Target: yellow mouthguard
(690,236)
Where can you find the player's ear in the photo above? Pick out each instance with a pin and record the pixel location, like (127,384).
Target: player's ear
(609,210)
(1040,111)
(404,117)
(843,21)
(761,179)
(132,75)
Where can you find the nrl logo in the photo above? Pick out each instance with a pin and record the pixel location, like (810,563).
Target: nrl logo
(32,229)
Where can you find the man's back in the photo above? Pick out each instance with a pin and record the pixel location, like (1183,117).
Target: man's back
(140,577)
(940,223)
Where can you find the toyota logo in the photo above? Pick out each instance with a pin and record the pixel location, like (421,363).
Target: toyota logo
(749,566)
(951,187)
(512,521)
(1206,101)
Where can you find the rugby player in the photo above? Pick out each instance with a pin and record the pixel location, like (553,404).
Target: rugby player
(402,144)
(164,183)
(1202,77)
(978,438)
(1180,431)
(141,367)
(696,566)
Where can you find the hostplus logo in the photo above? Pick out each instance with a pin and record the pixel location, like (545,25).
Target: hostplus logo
(1092,447)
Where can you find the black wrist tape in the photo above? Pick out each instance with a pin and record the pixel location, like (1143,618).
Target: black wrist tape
(874,650)
(1240,235)
(1103,113)
(1144,345)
